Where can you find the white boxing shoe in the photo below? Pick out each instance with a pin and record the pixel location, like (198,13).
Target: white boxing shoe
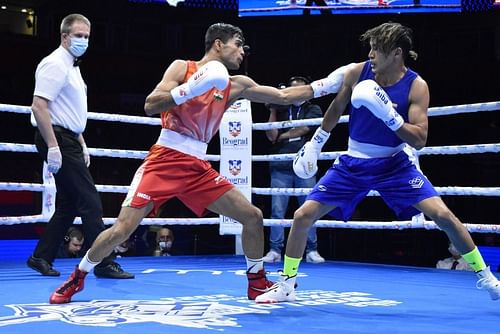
(282,291)
(489,282)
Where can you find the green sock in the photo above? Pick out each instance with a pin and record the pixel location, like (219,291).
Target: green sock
(291,266)
(475,260)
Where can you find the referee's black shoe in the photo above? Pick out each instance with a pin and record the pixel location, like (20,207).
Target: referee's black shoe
(42,266)
(112,270)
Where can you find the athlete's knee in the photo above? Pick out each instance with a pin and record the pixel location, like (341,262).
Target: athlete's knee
(303,218)
(251,216)
(444,218)
(256,216)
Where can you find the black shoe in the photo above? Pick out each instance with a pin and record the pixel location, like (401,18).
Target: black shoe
(42,266)
(112,270)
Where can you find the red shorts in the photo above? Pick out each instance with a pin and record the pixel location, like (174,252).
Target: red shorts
(167,173)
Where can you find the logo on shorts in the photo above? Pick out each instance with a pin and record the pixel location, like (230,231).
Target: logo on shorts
(143,195)
(234,167)
(321,187)
(219,179)
(235,128)
(416,182)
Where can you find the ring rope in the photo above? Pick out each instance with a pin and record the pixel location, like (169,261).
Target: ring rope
(133,154)
(436,111)
(393,225)
(448,190)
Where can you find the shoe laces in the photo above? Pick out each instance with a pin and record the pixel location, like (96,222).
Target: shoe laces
(486,283)
(72,281)
(115,267)
(281,284)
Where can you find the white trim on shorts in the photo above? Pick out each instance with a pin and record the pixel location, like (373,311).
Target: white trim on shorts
(182,143)
(358,149)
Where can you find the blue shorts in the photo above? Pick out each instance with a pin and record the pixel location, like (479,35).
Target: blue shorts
(400,183)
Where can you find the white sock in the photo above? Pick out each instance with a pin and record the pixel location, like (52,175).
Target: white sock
(291,281)
(254,265)
(86,264)
(486,273)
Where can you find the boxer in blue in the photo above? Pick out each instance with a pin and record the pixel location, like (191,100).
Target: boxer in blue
(388,105)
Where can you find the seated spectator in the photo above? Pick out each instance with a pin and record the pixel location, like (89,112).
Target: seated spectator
(164,242)
(455,262)
(72,244)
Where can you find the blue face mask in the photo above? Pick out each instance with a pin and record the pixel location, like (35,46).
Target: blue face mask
(78,46)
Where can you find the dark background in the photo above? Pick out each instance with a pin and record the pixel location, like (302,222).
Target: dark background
(132,43)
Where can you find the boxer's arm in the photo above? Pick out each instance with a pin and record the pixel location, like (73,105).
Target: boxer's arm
(342,99)
(244,87)
(213,74)
(415,131)
(332,83)
(370,95)
(160,99)
(171,90)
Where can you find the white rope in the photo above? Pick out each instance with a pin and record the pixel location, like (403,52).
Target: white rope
(393,225)
(450,190)
(91,115)
(435,111)
(433,150)
(133,154)
(21,186)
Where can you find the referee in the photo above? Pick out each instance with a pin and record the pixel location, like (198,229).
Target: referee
(60,115)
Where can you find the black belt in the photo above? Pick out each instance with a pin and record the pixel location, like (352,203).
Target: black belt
(60,129)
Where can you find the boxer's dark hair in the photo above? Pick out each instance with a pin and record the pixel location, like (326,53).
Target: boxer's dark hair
(389,36)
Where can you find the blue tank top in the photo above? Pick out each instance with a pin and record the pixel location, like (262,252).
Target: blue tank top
(366,128)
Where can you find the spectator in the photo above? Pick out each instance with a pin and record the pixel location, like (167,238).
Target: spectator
(455,262)
(164,242)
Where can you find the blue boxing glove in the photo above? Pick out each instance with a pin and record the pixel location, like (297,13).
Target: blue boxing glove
(369,94)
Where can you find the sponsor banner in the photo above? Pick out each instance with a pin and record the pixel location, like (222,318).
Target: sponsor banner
(236,155)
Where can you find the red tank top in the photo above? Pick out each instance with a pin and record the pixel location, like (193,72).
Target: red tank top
(199,117)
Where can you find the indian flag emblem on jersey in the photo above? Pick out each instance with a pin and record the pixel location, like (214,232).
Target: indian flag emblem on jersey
(218,96)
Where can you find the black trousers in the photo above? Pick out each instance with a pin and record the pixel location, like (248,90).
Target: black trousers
(319,3)
(76,196)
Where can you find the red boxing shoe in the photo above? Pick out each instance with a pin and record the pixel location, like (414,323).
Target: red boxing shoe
(257,284)
(73,285)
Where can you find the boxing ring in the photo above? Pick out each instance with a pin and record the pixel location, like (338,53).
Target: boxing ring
(166,294)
